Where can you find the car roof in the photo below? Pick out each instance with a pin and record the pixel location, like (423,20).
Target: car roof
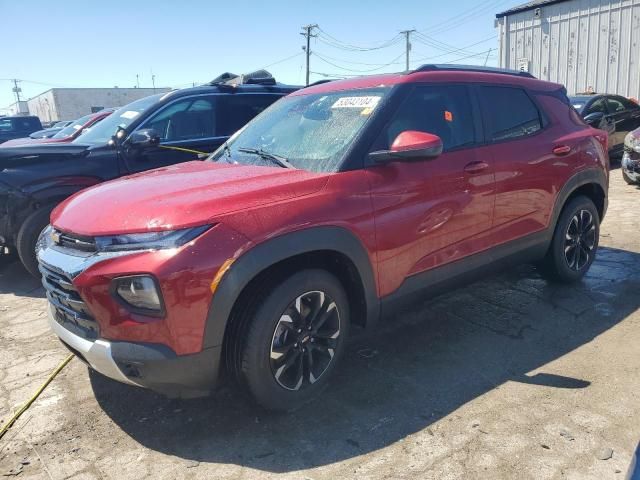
(278,88)
(437,74)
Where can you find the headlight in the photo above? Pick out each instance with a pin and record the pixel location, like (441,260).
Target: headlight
(632,142)
(149,241)
(140,293)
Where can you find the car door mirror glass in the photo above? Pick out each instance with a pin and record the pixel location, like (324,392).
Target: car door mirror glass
(410,145)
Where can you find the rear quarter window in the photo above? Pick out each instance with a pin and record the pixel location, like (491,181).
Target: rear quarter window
(509,113)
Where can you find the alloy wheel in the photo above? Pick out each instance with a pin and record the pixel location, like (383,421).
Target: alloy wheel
(305,340)
(580,240)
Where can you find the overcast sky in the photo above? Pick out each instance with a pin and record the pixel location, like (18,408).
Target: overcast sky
(102,44)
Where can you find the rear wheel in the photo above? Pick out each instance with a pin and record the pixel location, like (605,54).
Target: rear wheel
(296,336)
(28,237)
(575,241)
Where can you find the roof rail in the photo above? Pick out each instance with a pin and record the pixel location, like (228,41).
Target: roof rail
(469,68)
(324,80)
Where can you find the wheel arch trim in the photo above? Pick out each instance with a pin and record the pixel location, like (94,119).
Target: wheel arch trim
(272,251)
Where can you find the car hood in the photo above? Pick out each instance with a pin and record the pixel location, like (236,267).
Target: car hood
(179,196)
(31,141)
(22,155)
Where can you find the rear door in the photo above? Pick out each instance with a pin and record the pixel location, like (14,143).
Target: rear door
(429,212)
(195,125)
(522,149)
(626,115)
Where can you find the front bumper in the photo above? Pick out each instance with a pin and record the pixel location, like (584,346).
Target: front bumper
(139,359)
(151,366)
(631,165)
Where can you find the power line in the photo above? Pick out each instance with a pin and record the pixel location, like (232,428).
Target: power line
(282,61)
(464,17)
(332,41)
(392,62)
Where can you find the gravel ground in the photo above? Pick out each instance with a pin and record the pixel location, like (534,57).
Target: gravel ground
(510,377)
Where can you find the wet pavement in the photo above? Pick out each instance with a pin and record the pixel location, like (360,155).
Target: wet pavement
(510,377)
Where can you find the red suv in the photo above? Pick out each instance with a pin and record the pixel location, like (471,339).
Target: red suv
(327,210)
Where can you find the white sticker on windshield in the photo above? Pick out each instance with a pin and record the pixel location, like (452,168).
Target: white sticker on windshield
(356,102)
(129,114)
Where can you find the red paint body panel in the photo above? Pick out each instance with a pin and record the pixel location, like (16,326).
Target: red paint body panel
(180,196)
(409,216)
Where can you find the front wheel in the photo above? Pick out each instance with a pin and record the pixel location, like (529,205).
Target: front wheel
(28,238)
(296,336)
(575,241)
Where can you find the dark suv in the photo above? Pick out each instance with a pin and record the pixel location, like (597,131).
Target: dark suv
(155,131)
(18,127)
(326,211)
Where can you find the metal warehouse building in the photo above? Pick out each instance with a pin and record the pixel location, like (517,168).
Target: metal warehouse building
(580,43)
(72,103)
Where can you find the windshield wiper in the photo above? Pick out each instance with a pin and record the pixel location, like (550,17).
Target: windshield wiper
(281,161)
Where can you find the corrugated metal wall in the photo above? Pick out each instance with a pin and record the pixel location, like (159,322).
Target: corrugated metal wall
(579,43)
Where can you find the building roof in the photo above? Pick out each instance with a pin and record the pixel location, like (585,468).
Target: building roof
(528,6)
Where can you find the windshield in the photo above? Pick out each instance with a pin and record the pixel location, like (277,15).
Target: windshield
(312,132)
(103,131)
(73,127)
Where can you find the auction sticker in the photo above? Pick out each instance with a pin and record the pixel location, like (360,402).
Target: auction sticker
(356,102)
(130,114)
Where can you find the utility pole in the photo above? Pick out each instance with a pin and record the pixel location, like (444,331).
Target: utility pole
(307,32)
(16,90)
(407,35)
(153,82)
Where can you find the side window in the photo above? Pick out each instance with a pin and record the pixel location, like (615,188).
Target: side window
(614,105)
(443,110)
(509,113)
(5,125)
(187,119)
(234,111)
(628,104)
(598,106)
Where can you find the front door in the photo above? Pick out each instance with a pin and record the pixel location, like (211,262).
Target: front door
(429,212)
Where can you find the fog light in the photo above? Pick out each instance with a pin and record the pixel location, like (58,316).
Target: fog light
(140,293)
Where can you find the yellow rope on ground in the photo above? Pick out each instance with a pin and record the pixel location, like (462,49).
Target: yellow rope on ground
(26,406)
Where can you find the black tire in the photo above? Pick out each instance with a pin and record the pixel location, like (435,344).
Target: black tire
(28,237)
(264,371)
(627,178)
(575,241)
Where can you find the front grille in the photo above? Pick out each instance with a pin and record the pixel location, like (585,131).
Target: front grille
(69,309)
(74,242)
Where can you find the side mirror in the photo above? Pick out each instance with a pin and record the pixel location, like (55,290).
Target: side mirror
(594,119)
(410,145)
(144,138)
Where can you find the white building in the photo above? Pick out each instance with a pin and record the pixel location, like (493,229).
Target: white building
(71,103)
(580,43)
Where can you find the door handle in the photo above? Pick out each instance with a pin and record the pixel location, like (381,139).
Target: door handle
(476,167)
(562,150)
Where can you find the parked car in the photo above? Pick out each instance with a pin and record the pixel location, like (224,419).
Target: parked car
(45,133)
(615,114)
(156,131)
(17,127)
(631,158)
(329,209)
(67,134)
